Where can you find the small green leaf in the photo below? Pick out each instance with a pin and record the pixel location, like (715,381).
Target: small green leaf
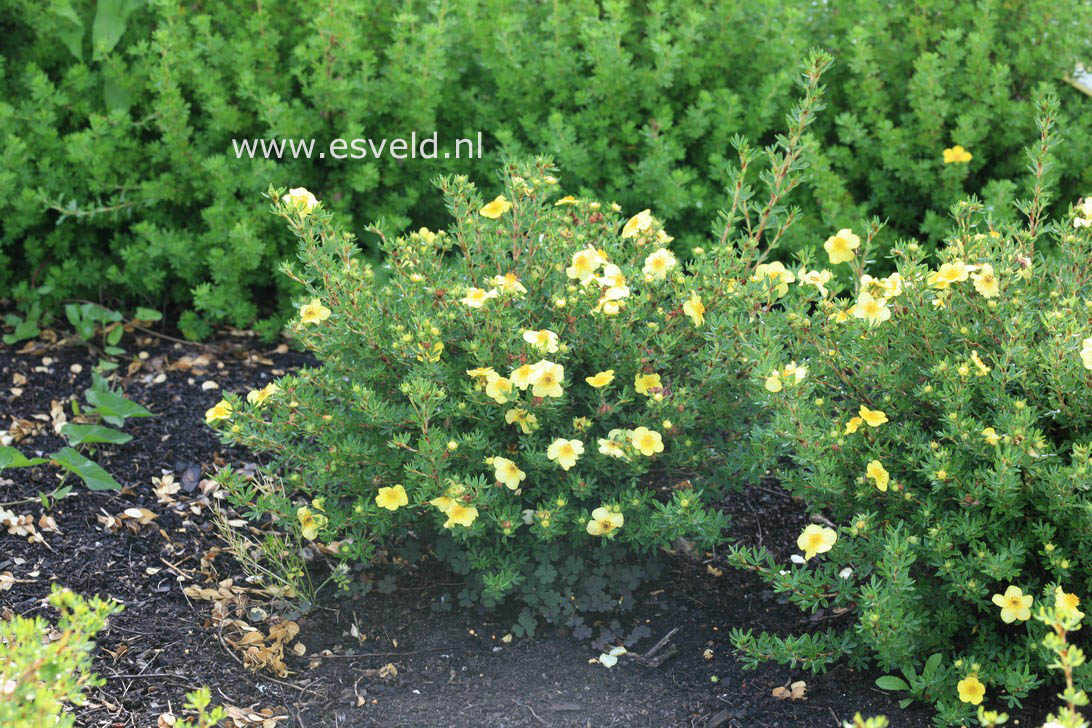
(79,434)
(931,665)
(12,458)
(114,350)
(23,330)
(905,702)
(114,336)
(90,473)
(890,682)
(147,314)
(113,407)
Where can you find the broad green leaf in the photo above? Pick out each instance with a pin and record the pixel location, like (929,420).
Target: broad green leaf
(147,314)
(111,17)
(79,434)
(113,407)
(932,664)
(27,329)
(114,336)
(90,473)
(890,682)
(72,32)
(12,458)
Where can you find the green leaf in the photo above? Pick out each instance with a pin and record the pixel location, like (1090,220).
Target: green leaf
(79,434)
(12,458)
(113,350)
(931,665)
(72,32)
(90,473)
(114,336)
(113,407)
(890,682)
(905,702)
(23,330)
(147,314)
(111,17)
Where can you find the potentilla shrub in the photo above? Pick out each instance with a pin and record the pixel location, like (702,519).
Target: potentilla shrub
(531,393)
(542,394)
(39,676)
(937,421)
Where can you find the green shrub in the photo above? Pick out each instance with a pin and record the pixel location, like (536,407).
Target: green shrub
(40,674)
(119,117)
(941,433)
(537,394)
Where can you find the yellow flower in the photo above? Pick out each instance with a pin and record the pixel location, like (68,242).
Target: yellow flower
(949,273)
(258,397)
(508,283)
(547,378)
(566,200)
(220,411)
(603,521)
(612,448)
(526,421)
(565,452)
(601,379)
(581,423)
(872,310)
(612,278)
(840,246)
(1014,604)
(980,365)
(300,200)
(639,223)
(658,265)
(310,522)
(985,282)
(544,340)
(498,388)
(891,286)
(481,375)
(442,502)
(777,274)
(392,498)
(873,418)
(314,312)
(1086,353)
(878,473)
(695,309)
(971,690)
(992,438)
(956,155)
(1067,604)
(816,278)
(507,472)
(496,208)
(585,264)
(645,382)
(522,376)
(476,297)
(648,442)
(773,382)
(794,371)
(460,515)
(816,540)
(853,425)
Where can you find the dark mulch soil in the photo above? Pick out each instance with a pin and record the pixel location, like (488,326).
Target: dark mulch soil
(453,667)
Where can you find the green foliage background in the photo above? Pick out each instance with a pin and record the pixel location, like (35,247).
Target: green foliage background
(117,118)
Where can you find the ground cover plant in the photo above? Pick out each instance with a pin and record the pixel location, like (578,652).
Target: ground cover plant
(939,433)
(119,182)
